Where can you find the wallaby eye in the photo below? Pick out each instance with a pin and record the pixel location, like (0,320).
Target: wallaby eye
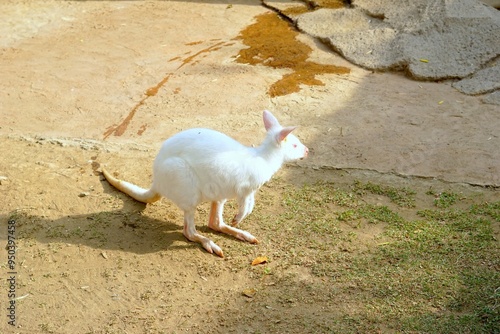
(294,145)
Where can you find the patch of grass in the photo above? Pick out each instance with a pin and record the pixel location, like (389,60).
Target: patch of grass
(487,209)
(474,308)
(445,199)
(370,213)
(314,207)
(403,197)
(437,274)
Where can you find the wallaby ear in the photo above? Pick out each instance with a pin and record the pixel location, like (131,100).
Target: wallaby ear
(269,120)
(280,136)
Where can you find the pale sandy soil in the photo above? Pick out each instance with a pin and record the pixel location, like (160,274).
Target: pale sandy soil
(105,82)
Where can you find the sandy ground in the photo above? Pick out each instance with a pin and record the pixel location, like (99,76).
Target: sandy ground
(105,82)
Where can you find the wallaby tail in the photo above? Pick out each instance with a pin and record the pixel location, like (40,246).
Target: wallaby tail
(136,192)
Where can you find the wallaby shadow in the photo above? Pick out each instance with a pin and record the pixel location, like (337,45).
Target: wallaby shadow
(126,229)
(107,230)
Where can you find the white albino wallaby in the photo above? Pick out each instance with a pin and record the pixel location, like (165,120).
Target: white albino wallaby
(200,165)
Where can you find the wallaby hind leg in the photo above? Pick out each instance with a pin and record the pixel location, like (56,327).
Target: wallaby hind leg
(216,223)
(191,234)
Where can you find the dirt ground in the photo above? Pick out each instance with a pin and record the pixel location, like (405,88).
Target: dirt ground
(86,83)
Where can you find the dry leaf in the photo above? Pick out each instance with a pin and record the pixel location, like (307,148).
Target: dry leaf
(249,293)
(259,260)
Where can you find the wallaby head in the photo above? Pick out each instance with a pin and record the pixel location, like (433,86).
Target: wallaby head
(289,145)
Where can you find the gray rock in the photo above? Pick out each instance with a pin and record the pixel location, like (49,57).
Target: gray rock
(493,98)
(361,39)
(483,81)
(428,39)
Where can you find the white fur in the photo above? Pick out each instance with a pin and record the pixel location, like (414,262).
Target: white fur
(199,165)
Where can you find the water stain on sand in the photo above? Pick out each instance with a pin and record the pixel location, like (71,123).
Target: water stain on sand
(272,42)
(118,130)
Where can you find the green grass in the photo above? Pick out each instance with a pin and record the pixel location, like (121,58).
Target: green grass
(437,274)
(444,199)
(403,197)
